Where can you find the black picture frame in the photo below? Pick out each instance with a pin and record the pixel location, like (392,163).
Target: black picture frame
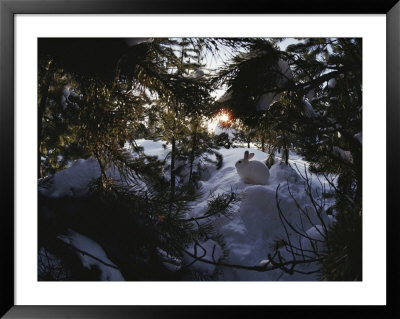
(8,9)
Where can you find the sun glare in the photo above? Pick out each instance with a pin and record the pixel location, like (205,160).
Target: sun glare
(223,117)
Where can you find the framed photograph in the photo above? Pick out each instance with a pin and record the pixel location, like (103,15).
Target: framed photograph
(162,159)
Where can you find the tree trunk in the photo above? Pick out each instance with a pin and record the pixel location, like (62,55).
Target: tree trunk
(103,175)
(263,144)
(286,153)
(286,156)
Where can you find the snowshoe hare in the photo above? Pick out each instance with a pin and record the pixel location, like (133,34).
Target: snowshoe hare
(252,172)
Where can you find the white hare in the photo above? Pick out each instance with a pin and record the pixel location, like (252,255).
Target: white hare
(252,172)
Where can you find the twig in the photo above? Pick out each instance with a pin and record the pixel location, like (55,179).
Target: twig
(88,254)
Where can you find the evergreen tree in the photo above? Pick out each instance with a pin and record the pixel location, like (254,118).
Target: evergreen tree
(97,96)
(112,102)
(317,111)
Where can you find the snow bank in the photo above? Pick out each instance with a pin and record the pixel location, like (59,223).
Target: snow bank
(250,233)
(154,148)
(73,181)
(89,246)
(314,239)
(282,172)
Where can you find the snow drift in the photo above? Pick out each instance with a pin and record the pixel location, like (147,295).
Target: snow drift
(250,233)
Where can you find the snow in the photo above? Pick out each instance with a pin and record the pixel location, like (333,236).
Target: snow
(89,246)
(74,181)
(325,55)
(65,94)
(225,97)
(220,129)
(286,71)
(315,236)
(205,250)
(358,137)
(266,100)
(172,263)
(332,83)
(135,41)
(255,225)
(284,172)
(309,110)
(344,155)
(153,148)
(196,74)
(264,262)
(250,232)
(310,95)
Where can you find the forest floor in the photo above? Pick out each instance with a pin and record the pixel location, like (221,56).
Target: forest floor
(250,232)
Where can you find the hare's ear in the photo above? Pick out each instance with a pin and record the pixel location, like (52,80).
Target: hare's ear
(251,156)
(246,155)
